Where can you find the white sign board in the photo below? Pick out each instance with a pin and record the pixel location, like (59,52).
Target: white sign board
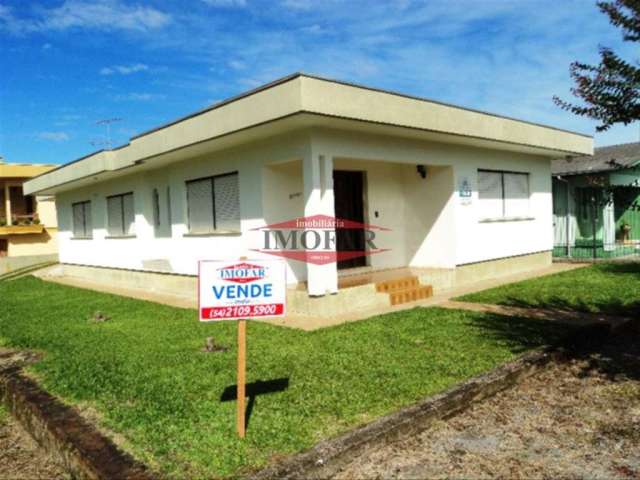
(244,289)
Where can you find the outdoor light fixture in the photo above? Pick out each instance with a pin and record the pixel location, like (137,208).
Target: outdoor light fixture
(422,170)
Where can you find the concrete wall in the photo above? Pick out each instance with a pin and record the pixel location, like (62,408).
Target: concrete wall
(46,208)
(476,272)
(45,243)
(10,264)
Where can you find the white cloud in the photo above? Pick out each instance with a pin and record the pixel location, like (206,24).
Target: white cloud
(124,69)
(237,64)
(105,15)
(53,136)
(225,3)
(139,97)
(314,29)
(67,119)
(297,4)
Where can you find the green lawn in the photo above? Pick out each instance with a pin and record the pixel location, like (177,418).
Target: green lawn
(612,288)
(143,374)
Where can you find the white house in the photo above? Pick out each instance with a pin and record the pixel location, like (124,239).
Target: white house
(463,194)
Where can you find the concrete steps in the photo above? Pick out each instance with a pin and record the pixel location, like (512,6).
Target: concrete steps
(404,290)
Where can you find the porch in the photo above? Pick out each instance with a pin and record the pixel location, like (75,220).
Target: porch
(405,212)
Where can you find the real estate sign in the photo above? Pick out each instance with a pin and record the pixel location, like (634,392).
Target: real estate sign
(241,289)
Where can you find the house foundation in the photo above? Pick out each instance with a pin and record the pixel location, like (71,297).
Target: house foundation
(365,290)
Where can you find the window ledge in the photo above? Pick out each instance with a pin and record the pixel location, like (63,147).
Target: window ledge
(219,233)
(506,219)
(116,237)
(81,238)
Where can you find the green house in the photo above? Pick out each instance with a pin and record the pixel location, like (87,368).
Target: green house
(596,203)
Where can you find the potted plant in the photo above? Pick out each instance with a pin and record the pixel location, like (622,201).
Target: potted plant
(625,228)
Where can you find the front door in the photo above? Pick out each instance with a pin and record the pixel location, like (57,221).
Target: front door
(348,190)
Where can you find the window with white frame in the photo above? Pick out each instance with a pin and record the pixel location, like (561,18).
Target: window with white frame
(214,204)
(503,195)
(120,215)
(81,212)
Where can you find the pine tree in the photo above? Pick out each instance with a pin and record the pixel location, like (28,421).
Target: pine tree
(610,91)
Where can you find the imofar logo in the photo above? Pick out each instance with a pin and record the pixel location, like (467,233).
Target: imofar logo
(320,239)
(242,273)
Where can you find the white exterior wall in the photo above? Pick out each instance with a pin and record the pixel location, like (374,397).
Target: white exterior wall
(181,252)
(477,240)
(429,226)
(454,232)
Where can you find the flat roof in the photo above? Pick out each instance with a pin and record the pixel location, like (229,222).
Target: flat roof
(339,82)
(299,94)
(24,170)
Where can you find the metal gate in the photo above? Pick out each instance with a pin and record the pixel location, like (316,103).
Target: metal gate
(592,222)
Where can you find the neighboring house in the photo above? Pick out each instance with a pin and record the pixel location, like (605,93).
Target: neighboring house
(596,203)
(28,226)
(464,194)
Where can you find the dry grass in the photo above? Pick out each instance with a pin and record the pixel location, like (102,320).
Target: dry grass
(580,419)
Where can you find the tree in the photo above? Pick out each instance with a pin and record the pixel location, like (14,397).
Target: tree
(610,91)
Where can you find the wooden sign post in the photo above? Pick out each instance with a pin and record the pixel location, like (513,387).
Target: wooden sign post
(241,382)
(241,290)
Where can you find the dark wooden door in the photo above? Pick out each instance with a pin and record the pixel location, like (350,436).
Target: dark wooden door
(348,189)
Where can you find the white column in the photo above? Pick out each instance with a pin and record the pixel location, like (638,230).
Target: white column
(318,194)
(328,208)
(312,206)
(7,203)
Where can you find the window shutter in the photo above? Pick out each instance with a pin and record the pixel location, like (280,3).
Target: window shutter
(200,201)
(156,208)
(490,194)
(169,219)
(128,213)
(88,226)
(115,226)
(227,202)
(516,195)
(78,220)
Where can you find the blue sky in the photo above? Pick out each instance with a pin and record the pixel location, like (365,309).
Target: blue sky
(67,64)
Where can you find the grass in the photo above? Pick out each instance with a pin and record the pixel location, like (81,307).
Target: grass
(143,376)
(612,288)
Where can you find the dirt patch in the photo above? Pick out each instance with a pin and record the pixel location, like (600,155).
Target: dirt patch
(578,419)
(20,456)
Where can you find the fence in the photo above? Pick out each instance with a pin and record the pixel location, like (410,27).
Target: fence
(593,223)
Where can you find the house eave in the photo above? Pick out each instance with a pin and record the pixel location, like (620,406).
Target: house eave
(299,97)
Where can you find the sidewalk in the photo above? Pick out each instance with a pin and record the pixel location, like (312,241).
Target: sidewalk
(442,299)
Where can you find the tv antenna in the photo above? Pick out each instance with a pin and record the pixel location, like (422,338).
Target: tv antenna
(107,123)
